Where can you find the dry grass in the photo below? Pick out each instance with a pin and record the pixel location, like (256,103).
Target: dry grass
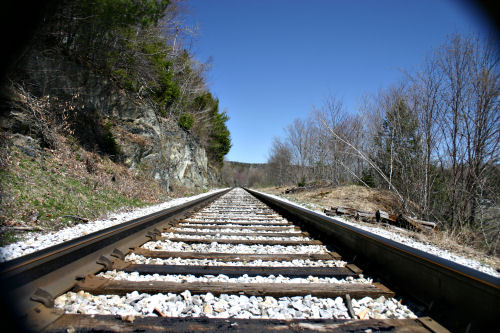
(354,196)
(39,189)
(369,199)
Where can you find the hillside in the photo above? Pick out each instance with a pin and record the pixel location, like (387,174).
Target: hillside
(104,109)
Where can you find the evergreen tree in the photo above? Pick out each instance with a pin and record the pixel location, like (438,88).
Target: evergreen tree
(398,146)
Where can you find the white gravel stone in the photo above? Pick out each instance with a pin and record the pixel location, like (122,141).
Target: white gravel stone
(226,306)
(168,245)
(38,241)
(139,259)
(134,276)
(398,237)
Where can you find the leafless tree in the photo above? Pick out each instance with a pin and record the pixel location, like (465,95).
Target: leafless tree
(469,119)
(433,139)
(279,163)
(299,138)
(425,89)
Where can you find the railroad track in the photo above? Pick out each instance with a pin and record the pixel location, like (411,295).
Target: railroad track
(234,264)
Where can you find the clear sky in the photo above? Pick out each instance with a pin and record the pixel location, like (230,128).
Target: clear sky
(274,59)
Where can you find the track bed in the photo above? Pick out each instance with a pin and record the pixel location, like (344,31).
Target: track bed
(234,265)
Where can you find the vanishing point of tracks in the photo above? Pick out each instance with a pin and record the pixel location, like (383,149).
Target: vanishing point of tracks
(236,264)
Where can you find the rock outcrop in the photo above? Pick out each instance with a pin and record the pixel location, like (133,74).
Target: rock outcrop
(108,119)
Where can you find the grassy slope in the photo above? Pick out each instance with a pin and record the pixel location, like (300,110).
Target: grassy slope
(39,191)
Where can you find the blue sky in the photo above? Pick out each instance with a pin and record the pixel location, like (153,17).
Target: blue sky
(274,59)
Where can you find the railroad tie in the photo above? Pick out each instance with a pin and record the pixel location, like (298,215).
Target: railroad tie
(102,286)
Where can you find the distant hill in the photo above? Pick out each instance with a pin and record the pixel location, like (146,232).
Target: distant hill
(245,165)
(244,174)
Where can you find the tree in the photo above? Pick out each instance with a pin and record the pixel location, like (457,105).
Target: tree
(219,142)
(398,146)
(469,121)
(339,140)
(433,139)
(299,137)
(279,163)
(426,85)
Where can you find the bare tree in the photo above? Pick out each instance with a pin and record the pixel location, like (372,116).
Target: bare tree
(299,137)
(469,121)
(426,85)
(334,121)
(433,139)
(279,163)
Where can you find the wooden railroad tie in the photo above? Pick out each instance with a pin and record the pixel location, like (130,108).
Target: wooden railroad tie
(256,223)
(231,227)
(102,286)
(222,233)
(114,323)
(233,271)
(382,216)
(244,218)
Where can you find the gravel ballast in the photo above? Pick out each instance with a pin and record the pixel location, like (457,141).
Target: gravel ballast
(38,241)
(168,245)
(139,259)
(134,276)
(230,306)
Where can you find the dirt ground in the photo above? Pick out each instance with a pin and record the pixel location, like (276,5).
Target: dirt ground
(353,196)
(369,199)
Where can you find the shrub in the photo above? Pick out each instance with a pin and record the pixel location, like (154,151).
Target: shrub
(367,178)
(186,121)
(302,182)
(108,144)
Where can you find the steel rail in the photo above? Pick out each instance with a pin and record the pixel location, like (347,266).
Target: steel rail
(460,298)
(29,281)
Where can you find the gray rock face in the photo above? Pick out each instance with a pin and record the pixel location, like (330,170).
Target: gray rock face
(146,141)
